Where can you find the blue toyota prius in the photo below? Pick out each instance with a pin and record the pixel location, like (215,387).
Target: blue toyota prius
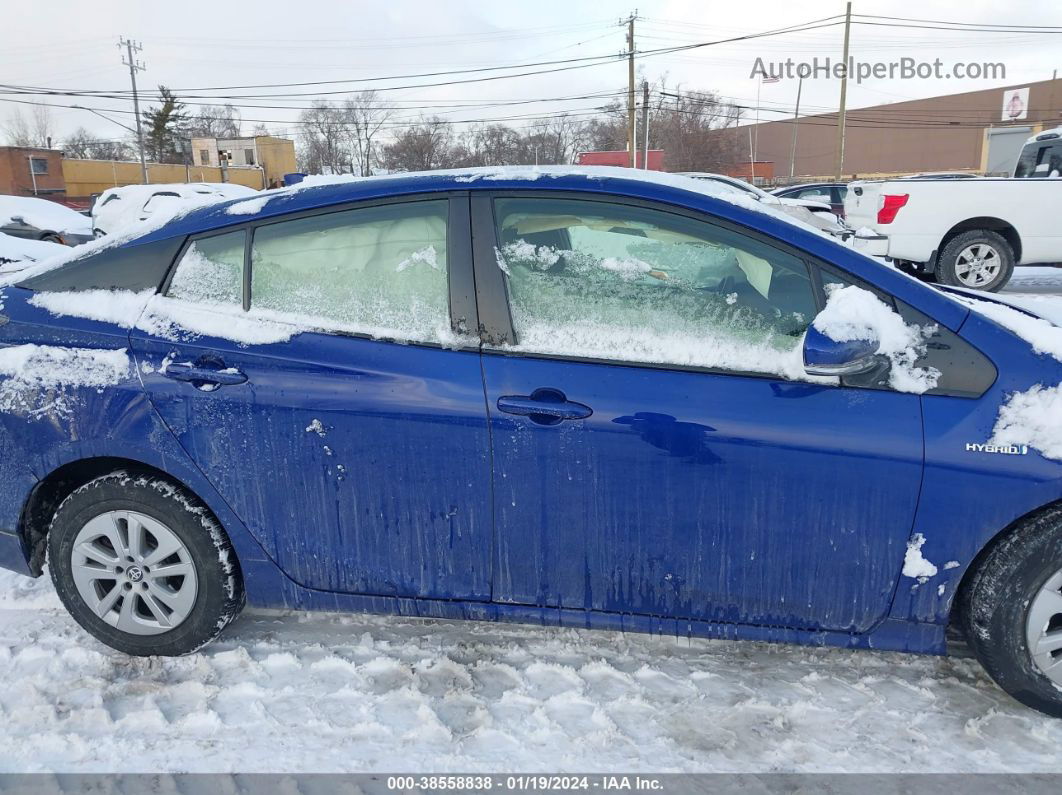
(591,398)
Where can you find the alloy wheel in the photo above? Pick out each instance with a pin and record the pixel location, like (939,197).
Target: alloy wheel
(134,572)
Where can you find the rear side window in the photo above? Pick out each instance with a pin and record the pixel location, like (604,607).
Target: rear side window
(378,270)
(130,267)
(612,281)
(211,270)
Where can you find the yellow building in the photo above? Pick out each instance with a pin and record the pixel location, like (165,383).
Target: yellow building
(275,156)
(84,178)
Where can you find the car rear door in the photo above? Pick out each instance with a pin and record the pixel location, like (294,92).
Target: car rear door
(312,369)
(653,454)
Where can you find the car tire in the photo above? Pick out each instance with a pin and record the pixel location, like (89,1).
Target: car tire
(51,237)
(978,259)
(143,566)
(1012,612)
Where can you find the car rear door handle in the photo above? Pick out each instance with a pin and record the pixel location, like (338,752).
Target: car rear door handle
(186,371)
(544,403)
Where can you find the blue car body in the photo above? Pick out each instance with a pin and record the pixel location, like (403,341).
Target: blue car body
(366,475)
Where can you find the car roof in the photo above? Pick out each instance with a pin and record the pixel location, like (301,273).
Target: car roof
(697,195)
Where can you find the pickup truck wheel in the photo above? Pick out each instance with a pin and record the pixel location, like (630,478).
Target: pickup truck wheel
(978,259)
(1012,612)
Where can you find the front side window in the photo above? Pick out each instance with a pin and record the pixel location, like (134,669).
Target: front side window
(815,194)
(211,271)
(618,282)
(375,270)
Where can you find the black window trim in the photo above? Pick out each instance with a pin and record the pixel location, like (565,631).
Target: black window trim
(497,331)
(460,278)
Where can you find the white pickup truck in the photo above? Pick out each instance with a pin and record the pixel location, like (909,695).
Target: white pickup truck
(963,232)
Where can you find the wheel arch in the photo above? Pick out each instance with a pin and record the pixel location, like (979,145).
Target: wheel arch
(992,224)
(959,603)
(50,491)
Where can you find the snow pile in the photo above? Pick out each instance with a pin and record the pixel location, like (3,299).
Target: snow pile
(291,692)
(914,565)
(1032,418)
(248,206)
(853,313)
(121,307)
(1044,336)
(35,377)
(43,214)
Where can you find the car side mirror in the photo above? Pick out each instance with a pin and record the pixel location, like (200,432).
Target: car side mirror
(18,219)
(826,356)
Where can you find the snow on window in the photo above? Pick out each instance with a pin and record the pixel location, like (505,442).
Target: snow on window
(378,270)
(36,379)
(853,313)
(1032,418)
(426,256)
(613,282)
(211,270)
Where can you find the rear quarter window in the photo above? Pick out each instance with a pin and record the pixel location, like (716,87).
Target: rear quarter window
(131,267)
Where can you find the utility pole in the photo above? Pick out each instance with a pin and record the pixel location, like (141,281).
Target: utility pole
(632,143)
(844,92)
(136,66)
(796,124)
(645,122)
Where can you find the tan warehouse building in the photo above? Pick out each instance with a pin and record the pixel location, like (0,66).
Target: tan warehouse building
(979,131)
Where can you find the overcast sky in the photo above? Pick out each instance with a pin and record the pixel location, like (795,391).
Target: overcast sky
(191,44)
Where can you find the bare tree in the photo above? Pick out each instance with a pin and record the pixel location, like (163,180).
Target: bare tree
(423,146)
(215,121)
(365,115)
(323,139)
(83,144)
(36,131)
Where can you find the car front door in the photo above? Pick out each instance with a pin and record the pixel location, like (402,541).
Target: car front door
(310,368)
(654,451)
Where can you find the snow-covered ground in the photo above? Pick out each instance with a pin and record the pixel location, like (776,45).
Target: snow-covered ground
(295,692)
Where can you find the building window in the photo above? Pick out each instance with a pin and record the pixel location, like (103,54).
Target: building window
(38,165)
(248,156)
(204,157)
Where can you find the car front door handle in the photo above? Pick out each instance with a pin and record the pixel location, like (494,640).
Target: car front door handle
(186,371)
(547,406)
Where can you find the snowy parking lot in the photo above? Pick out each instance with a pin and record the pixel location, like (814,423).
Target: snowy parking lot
(294,692)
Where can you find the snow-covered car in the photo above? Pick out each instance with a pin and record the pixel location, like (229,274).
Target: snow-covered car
(117,208)
(588,397)
(960,232)
(816,213)
(40,219)
(18,253)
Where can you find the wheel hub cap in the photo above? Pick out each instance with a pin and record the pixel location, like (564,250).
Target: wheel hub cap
(1043,628)
(977,265)
(134,572)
